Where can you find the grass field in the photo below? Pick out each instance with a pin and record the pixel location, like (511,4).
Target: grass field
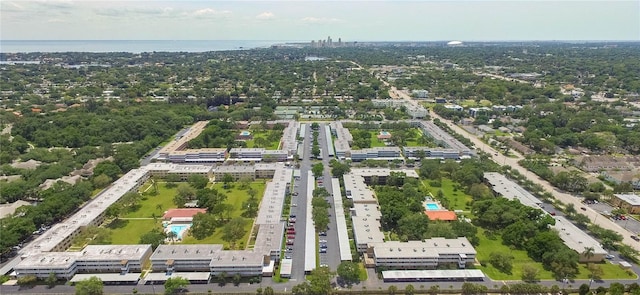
(273,145)
(235,197)
(610,271)
(129,231)
(154,205)
(133,225)
(457,199)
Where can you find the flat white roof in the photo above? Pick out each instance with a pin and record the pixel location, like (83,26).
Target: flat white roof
(434,247)
(435,274)
(357,189)
(631,199)
(87,214)
(575,238)
(181,251)
(285,267)
(310,231)
(440,135)
(511,190)
(383,172)
(341,222)
(236,258)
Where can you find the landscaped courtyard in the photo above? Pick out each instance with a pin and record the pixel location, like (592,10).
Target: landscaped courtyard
(147,214)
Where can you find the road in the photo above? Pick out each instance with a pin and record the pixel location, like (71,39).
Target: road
(513,163)
(300,187)
(332,257)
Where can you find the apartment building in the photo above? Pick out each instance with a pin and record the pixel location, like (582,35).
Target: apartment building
(427,254)
(92,259)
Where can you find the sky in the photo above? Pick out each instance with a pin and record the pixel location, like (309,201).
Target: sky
(303,20)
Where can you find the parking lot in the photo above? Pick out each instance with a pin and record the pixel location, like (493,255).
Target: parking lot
(629,223)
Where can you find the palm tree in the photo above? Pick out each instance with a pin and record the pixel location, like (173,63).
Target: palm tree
(588,252)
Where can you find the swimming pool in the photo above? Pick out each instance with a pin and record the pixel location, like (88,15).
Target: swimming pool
(431,206)
(385,133)
(178,229)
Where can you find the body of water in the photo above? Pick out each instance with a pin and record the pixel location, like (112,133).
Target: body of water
(134,46)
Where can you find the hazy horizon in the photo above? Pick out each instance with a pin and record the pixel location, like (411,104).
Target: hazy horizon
(365,21)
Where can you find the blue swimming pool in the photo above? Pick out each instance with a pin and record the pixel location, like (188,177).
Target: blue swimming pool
(178,229)
(385,133)
(431,206)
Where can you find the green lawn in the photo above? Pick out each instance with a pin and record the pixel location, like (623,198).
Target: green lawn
(216,237)
(154,205)
(457,199)
(486,246)
(129,231)
(273,145)
(374,140)
(235,197)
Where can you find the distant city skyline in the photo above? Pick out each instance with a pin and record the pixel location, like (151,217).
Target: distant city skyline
(299,20)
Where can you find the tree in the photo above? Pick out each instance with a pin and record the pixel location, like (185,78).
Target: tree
(501,261)
(234,230)
(90,286)
(409,290)
(317,170)
(616,288)
(51,280)
(338,169)
(107,168)
(226,180)
(349,272)
(101,181)
(300,289)
(588,253)
(202,225)
(155,237)
(173,285)
(392,290)
(583,289)
(320,281)
(186,192)
(529,273)
(197,181)
(269,291)
(434,290)
(236,279)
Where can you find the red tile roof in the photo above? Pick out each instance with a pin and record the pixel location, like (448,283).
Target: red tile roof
(189,212)
(441,215)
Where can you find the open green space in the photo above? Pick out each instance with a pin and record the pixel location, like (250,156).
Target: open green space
(235,197)
(151,205)
(261,139)
(520,259)
(132,225)
(375,142)
(129,231)
(486,246)
(457,199)
(216,237)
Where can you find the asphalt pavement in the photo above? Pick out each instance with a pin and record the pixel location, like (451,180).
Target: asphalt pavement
(300,187)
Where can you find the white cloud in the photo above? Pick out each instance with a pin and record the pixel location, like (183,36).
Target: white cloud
(11,7)
(209,12)
(266,15)
(320,20)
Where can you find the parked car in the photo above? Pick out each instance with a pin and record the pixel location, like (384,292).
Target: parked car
(323,250)
(322,233)
(635,238)
(583,208)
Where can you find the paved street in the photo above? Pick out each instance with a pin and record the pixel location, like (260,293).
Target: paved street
(300,187)
(332,257)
